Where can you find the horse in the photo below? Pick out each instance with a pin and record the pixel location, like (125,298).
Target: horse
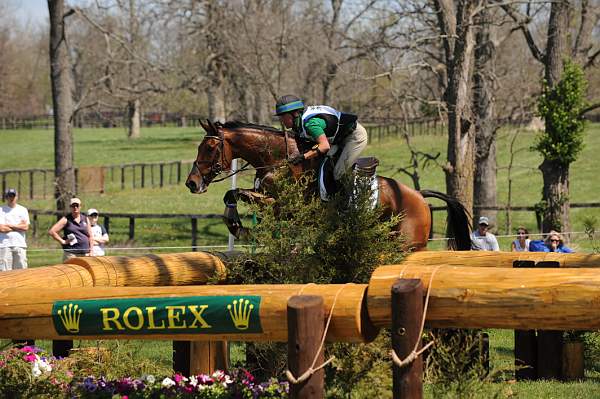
(266,149)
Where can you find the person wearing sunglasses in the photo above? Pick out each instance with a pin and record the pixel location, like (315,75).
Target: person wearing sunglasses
(553,243)
(521,244)
(77,232)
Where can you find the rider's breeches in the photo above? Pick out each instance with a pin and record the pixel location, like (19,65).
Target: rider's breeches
(354,144)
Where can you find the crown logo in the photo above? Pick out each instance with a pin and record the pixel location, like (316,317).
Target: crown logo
(70,317)
(240,313)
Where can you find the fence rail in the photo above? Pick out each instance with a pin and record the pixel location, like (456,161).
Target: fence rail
(109,216)
(38,183)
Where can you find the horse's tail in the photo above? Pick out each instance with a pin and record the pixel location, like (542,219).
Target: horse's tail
(458,220)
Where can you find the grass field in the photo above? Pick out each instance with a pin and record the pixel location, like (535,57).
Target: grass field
(33,149)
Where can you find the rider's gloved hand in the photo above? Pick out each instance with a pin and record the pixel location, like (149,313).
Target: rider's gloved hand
(296,159)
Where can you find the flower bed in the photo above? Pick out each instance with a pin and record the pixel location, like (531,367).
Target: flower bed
(29,373)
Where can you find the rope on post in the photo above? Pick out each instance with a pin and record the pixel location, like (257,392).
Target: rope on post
(416,352)
(312,369)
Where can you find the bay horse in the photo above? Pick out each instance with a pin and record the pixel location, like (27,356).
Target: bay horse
(267,149)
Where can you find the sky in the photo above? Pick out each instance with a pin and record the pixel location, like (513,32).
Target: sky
(32,11)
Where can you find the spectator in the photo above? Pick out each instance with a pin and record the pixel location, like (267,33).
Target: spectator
(13,225)
(77,232)
(521,244)
(481,239)
(553,243)
(99,233)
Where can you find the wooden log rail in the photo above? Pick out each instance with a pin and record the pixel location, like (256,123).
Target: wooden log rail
(182,313)
(486,297)
(188,268)
(501,259)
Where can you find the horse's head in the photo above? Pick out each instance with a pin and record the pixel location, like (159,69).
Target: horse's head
(212,159)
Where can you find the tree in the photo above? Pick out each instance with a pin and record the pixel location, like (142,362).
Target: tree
(486,124)
(455,23)
(559,48)
(62,104)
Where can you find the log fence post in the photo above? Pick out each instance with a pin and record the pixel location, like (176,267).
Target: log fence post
(18,182)
(194,234)
(122,177)
(107,224)
(305,320)
(178,172)
(525,344)
(549,345)
(161,174)
(143,175)
(34,226)
(31,184)
(3,183)
(131,227)
(44,186)
(407,315)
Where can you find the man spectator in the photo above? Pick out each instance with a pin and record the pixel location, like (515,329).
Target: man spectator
(13,225)
(99,233)
(481,239)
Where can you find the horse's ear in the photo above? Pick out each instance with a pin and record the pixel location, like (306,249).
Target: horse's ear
(205,126)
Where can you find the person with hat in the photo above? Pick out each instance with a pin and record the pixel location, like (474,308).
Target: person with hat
(14,222)
(77,232)
(482,239)
(99,233)
(329,128)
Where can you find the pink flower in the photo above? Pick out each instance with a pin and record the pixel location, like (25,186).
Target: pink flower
(30,357)
(124,397)
(178,378)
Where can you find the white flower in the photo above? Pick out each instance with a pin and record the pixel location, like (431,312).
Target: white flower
(35,370)
(193,380)
(167,382)
(150,379)
(218,374)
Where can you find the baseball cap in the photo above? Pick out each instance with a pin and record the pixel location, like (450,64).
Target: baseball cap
(484,220)
(92,211)
(10,191)
(75,201)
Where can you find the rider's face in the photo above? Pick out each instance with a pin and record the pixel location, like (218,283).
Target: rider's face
(287,120)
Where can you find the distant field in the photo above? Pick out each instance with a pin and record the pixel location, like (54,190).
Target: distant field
(34,148)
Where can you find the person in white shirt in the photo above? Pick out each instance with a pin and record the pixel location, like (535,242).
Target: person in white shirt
(481,239)
(13,225)
(100,235)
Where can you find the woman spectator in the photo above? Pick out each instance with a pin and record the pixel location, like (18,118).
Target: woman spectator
(521,244)
(77,232)
(553,243)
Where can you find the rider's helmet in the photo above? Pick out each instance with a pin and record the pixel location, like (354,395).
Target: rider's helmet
(288,103)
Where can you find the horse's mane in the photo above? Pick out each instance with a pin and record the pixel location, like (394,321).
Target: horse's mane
(234,125)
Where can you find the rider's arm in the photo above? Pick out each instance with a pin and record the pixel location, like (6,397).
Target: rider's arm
(315,127)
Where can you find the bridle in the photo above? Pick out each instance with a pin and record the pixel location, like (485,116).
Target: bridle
(218,161)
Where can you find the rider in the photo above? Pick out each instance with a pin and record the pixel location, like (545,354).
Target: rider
(327,127)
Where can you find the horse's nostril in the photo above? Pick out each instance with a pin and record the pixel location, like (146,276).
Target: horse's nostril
(191,185)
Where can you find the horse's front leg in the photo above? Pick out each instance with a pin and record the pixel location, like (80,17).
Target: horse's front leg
(231,217)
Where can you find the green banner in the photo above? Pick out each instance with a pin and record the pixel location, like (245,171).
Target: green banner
(181,315)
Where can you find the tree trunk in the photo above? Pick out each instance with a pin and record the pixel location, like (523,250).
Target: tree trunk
(556,175)
(216,102)
(461,129)
(556,195)
(62,105)
(484,190)
(133,119)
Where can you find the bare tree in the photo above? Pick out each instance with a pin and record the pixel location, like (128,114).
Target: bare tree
(60,76)
(455,23)
(486,124)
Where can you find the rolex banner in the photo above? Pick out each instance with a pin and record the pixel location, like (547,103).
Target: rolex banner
(180,315)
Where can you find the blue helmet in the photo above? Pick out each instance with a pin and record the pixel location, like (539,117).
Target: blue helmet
(288,103)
